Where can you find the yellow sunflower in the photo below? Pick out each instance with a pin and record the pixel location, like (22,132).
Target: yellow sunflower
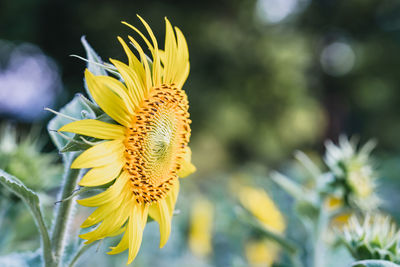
(145,150)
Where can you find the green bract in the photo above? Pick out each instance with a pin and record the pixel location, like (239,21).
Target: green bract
(374,238)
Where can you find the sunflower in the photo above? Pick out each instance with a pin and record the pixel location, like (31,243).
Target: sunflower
(145,150)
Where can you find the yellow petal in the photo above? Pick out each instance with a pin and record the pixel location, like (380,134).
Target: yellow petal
(182,66)
(132,80)
(107,196)
(122,245)
(97,216)
(120,89)
(118,232)
(172,197)
(111,223)
(157,71)
(100,155)
(162,56)
(154,212)
(165,222)
(161,214)
(143,59)
(102,175)
(95,128)
(135,65)
(136,227)
(187,167)
(111,103)
(170,53)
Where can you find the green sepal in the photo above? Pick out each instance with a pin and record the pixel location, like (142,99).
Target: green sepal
(76,109)
(76,144)
(93,61)
(374,263)
(92,105)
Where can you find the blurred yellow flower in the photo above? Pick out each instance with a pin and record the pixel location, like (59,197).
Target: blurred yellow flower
(261,253)
(333,203)
(263,208)
(146,149)
(201,224)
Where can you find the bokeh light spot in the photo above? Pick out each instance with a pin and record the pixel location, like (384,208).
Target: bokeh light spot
(337,59)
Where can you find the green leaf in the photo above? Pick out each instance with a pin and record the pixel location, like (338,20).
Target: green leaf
(31,199)
(294,189)
(374,263)
(18,188)
(77,109)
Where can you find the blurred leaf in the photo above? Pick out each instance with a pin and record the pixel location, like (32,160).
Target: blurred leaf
(294,189)
(22,259)
(308,164)
(374,263)
(14,260)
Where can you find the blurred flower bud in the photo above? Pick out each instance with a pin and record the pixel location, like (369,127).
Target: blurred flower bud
(374,238)
(353,176)
(21,156)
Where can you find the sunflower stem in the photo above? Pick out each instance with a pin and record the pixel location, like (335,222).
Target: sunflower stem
(44,234)
(65,208)
(83,248)
(319,245)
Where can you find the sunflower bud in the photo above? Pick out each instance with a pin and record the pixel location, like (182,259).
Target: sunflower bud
(353,176)
(374,238)
(21,156)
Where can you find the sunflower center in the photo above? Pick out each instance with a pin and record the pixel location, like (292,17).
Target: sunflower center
(155,143)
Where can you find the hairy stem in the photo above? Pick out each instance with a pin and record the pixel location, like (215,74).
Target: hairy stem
(319,246)
(80,252)
(46,244)
(65,208)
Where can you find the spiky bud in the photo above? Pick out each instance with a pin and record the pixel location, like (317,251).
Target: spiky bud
(376,237)
(353,176)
